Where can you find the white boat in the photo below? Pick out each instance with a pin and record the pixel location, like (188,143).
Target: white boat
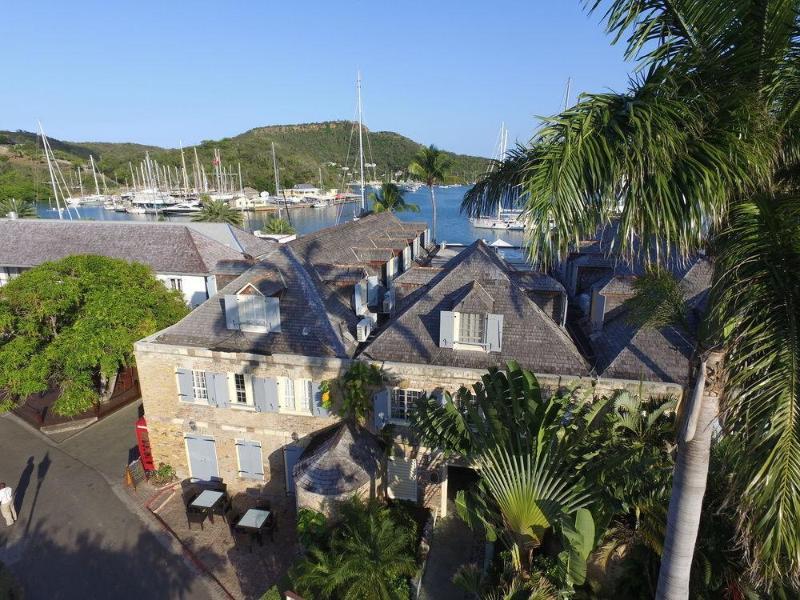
(320,204)
(136,210)
(507,220)
(184,208)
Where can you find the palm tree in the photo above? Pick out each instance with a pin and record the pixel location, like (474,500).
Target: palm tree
(390,199)
(217,211)
(25,209)
(278,226)
(701,153)
(369,557)
(430,166)
(530,475)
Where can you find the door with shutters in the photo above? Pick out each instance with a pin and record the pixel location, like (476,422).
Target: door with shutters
(402,476)
(291,454)
(251,465)
(202,453)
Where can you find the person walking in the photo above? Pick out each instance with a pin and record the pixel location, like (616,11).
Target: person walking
(7,504)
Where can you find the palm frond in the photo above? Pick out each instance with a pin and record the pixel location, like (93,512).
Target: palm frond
(757,309)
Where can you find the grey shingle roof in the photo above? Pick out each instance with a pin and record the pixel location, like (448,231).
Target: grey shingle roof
(165,247)
(628,352)
(341,460)
(529,336)
(307,327)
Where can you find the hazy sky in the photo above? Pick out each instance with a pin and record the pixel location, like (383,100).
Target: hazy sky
(442,72)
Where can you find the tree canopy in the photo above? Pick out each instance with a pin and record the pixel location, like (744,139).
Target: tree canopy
(217,211)
(71,324)
(390,198)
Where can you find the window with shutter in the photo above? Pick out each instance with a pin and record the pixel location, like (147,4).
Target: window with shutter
(252,313)
(199,386)
(472,329)
(403,403)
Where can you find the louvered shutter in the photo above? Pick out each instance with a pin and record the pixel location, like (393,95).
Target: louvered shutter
(185,387)
(265,394)
(231,311)
(360,297)
(217,385)
(494,333)
(447,328)
(251,465)
(373,284)
(381,406)
(291,454)
(273,314)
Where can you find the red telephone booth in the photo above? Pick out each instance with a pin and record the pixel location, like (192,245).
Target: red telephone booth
(143,440)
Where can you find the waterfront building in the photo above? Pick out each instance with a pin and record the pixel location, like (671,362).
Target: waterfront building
(233,390)
(193,258)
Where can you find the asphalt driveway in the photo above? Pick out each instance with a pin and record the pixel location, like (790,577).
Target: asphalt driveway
(75,537)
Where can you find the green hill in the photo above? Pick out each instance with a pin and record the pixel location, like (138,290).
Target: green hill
(301,150)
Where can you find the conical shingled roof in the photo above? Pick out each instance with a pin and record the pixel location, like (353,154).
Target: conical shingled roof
(338,461)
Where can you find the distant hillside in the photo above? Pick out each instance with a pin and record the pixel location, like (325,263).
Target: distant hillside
(301,150)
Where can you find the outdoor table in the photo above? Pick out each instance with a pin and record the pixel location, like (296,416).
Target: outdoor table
(253,522)
(208,501)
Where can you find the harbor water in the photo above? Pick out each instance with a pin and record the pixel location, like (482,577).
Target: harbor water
(453,226)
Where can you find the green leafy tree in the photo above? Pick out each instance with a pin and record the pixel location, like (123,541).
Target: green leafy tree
(278,226)
(531,469)
(370,556)
(25,209)
(217,211)
(430,165)
(390,199)
(72,324)
(698,152)
(351,394)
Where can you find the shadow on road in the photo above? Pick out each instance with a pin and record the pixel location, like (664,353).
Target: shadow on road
(22,484)
(85,567)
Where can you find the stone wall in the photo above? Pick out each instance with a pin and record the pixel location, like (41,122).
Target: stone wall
(169,419)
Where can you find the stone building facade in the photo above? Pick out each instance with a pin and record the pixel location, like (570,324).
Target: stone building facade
(233,390)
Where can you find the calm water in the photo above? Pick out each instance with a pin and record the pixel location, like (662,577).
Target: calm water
(453,227)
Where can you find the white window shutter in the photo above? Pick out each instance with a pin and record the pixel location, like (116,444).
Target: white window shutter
(494,333)
(231,311)
(273,309)
(447,329)
(185,385)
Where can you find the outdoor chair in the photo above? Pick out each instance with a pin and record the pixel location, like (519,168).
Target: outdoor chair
(241,539)
(195,516)
(270,527)
(264,505)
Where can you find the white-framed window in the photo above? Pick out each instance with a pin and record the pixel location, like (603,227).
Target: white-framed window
(472,329)
(288,394)
(296,395)
(240,388)
(402,403)
(8,273)
(176,283)
(252,311)
(199,385)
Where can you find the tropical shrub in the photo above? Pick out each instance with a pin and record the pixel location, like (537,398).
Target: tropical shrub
(367,554)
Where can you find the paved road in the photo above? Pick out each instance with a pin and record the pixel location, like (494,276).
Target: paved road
(75,537)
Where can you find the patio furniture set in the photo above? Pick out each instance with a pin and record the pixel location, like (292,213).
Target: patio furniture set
(204,500)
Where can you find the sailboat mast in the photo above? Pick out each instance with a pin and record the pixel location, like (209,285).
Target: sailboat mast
(361,143)
(185,174)
(50,169)
(241,187)
(566,93)
(94,174)
(275,170)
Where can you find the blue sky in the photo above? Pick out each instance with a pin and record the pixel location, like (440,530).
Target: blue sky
(442,72)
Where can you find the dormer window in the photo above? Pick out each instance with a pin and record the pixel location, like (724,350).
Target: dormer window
(472,329)
(250,310)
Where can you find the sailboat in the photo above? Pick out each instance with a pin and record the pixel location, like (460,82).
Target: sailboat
(57,181)
(505,219)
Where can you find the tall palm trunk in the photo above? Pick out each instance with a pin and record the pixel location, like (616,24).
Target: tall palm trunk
(433,208)
(689,484)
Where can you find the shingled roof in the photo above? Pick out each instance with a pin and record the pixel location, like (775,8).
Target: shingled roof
(307,327)
(626,351)
(338,461)
(530,337)
(180,248)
